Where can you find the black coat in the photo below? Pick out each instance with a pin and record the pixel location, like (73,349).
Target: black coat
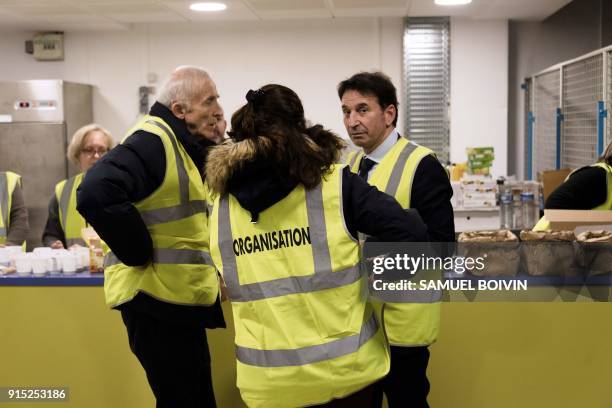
(127,174)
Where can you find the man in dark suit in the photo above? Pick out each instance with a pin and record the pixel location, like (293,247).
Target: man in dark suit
(412,174)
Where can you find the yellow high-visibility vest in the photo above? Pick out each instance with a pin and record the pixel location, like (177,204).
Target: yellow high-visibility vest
(543,224)
(406,323)
(8,182)
(71,221)
(181,271)
(305,332)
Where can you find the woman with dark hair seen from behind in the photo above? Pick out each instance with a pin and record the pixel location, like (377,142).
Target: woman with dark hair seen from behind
(587,188)
(284,236)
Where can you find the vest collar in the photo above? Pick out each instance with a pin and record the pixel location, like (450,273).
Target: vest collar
(195,146)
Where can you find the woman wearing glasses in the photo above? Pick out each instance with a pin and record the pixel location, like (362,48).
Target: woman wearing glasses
(64,223)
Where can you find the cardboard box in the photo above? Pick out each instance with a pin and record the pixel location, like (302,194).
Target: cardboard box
(551,179)
(567,220)
(500,248)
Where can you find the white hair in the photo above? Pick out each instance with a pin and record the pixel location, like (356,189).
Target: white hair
(183,85)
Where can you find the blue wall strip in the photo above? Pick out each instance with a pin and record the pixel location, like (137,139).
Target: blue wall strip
(530,120)
(601,120)
(559,121)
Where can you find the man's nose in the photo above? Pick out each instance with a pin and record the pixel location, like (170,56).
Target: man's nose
(217,111)
(353,120)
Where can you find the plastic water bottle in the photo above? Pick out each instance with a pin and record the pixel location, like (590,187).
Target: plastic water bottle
(518,212)
(529,209)
(541,201)
(506,210)
(498,191)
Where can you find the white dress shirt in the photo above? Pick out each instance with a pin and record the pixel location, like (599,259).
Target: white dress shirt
(379,153)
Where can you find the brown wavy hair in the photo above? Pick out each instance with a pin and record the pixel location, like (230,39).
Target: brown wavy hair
(607,155)
(303,153)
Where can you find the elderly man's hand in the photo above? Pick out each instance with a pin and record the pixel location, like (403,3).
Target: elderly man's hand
(223,288)
(57,244)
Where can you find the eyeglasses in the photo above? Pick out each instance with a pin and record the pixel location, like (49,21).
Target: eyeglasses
(92,152)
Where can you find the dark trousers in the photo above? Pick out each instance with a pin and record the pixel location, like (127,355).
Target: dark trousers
(364,398)
(175,358)
(406,385)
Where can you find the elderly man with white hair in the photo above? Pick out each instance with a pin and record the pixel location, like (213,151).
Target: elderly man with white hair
(147,201)
(219,134)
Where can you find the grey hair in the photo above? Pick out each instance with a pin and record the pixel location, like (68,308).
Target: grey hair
(183,85)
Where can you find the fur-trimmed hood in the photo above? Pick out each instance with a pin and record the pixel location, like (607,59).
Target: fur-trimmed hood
(230,158)
(246,169)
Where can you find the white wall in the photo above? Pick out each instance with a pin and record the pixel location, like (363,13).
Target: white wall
(479,89)
(310,57)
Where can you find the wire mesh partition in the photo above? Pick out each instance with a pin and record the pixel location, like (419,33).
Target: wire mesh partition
(546,100)
(427,83)
(570,102)
(582,91)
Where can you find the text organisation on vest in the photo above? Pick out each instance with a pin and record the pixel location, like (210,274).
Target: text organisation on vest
(272,240)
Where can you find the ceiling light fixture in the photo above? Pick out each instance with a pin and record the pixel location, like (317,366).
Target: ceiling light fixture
(207,7)
(452,2)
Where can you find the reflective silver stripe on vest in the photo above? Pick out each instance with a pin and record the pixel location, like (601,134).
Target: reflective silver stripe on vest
(398,169)
(183,178)
(78,241)
(318,235)
(169,256)
(311,354)
(323,277)
(186,208)
(396,175)
(353,160)
(404,296)
(65,201)
(110,259)
(293,285)
(4,200)
(168,214)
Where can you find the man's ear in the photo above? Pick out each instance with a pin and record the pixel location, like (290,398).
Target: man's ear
(178,110)
(390,115)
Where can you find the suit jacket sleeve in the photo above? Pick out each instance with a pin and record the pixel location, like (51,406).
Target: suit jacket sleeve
(431,196)
(377,214)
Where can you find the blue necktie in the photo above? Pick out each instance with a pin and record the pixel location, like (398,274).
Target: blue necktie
(365,166)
